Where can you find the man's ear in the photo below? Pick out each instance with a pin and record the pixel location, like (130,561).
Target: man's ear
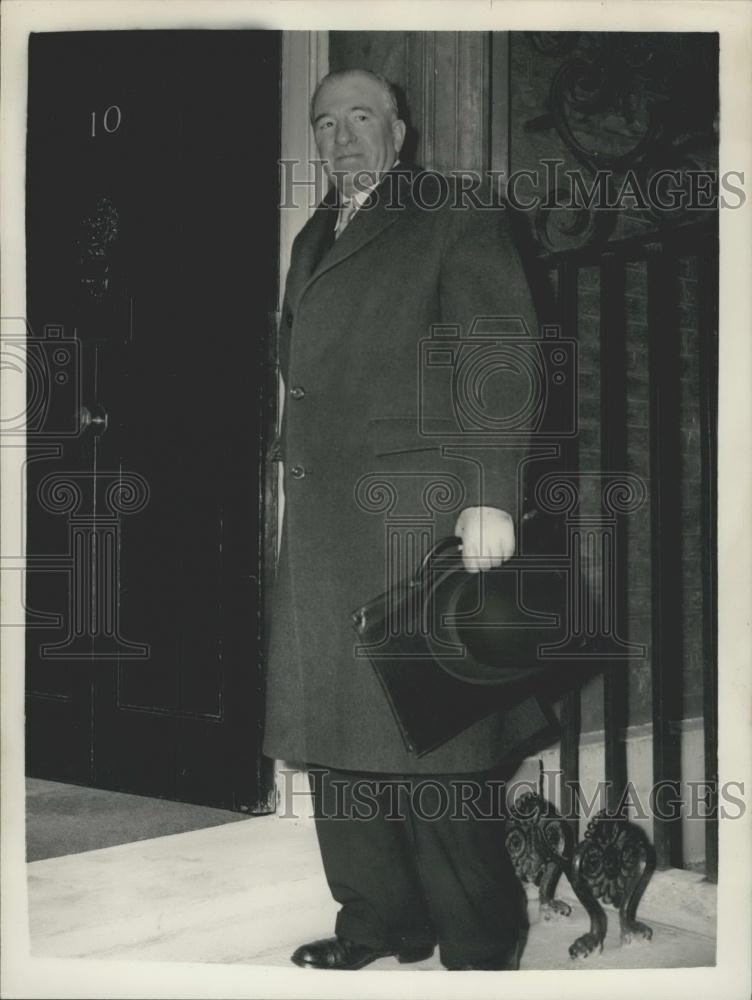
(398,133)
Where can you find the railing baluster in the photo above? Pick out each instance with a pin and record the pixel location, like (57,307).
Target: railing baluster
(666,552)
(613,363)
(567,275)
(708,331)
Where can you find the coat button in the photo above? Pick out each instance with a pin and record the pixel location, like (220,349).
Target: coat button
(289,319)
(297,472)
(297,392)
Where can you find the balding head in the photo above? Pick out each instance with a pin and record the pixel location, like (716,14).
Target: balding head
(356,126)
(391,103)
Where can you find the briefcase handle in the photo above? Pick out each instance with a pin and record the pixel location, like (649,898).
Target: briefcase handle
(443,545)
(451,542)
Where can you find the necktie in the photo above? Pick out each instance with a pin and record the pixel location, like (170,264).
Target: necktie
(345,214)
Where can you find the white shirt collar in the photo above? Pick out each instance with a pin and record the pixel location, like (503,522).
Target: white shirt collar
(362,194)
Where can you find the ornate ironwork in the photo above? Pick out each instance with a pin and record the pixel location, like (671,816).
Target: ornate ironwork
(561,225)
(613,863)
(540,844)
(670,169)
(628,107)
(99,232)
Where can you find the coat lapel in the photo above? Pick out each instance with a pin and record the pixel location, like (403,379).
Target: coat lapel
(367,223)
(315,240)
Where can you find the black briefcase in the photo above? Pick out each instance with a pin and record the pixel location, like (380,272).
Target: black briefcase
(452,647)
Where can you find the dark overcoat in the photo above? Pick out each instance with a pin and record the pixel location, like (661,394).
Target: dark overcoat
(358,462)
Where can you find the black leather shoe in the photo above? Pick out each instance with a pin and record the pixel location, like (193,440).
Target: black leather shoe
(339,953)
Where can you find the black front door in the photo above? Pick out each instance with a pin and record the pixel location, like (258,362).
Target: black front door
(152,223)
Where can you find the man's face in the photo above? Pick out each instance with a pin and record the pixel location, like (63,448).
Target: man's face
(355,130)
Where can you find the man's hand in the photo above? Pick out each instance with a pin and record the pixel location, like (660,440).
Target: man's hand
(487,537)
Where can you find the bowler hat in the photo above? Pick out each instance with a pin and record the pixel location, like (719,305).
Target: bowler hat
(451,647)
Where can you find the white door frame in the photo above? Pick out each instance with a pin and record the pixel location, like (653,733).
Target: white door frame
(305,59)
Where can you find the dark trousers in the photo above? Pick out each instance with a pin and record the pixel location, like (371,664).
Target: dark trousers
(419,860)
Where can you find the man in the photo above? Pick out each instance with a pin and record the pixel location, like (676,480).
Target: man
(380,262)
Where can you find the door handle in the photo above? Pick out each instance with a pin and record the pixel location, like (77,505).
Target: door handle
(97,419)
